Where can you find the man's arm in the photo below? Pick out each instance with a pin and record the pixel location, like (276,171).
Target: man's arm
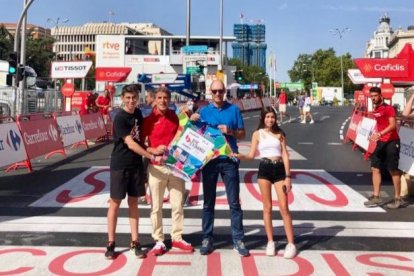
(408,109)
(135,147)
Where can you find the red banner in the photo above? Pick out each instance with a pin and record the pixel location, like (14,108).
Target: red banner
(113,74)
(382,68)
(93,125)
(40,136)
(353,126)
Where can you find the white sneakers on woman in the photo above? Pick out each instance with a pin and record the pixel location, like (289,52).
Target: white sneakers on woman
(270,248)
(290,251)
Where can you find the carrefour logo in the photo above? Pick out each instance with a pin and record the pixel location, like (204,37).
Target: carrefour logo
(13,140)
(53,133)
(79,126)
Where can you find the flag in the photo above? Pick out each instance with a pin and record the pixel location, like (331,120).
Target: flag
(241,15)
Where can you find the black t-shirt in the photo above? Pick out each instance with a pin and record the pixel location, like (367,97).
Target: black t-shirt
(126,124)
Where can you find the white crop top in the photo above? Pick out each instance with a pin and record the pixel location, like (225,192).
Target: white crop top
(269,145)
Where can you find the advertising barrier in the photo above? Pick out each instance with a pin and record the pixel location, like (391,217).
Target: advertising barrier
(93,125)
(12,148)
(71,130)
(406,163)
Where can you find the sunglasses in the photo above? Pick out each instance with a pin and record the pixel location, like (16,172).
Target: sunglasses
(215,91)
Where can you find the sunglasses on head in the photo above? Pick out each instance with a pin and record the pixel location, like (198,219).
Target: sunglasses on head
(215,91)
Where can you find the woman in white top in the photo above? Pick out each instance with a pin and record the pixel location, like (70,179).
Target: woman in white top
(274,170)
(306,110)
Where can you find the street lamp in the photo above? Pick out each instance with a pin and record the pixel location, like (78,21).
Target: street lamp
(56,24)
(340,32)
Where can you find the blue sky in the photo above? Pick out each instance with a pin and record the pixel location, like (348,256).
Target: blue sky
(292,27)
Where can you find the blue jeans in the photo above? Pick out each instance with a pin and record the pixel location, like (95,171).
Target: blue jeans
(229,171)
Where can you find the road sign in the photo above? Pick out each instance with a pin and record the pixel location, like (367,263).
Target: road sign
(193,70)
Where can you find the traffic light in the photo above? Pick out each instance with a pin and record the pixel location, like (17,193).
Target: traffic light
(20,72)
(238,76)
(12,63)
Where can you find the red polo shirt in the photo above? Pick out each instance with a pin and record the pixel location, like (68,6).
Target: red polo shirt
(159,128)
(282,98)
(382,114)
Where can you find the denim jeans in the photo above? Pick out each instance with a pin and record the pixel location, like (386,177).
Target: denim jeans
(229,171)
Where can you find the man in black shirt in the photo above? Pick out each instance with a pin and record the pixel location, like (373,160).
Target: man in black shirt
(126,169)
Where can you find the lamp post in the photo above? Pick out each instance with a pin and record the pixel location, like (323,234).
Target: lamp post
(254,77)
(220,67)
(340,32)
(188,21)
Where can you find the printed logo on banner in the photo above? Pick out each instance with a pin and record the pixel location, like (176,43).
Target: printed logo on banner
(53,133)
(79,126)
(14,140)
(101,123)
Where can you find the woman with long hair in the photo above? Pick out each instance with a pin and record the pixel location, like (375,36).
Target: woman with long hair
(274,170)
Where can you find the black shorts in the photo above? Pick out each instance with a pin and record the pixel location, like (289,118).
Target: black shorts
(271,171)
(387,153)
(127,181)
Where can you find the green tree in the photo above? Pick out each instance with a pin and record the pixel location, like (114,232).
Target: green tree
(324,67)
(39,54)
(6,43)
(251,73)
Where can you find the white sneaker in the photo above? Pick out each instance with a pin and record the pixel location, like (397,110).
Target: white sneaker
(311,122)
(290,251)
(303,122)
(270,248)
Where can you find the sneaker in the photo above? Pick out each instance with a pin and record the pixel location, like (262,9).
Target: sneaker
(395,203)
(303,122)
(290,251)
(136,247)
(206,246)
(183,245)
(373,201)
(240,248)
(110,251)
(270,248)
(159,248)
(312,121)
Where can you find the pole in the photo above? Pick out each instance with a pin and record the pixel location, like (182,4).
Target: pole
(342,75)
(220,66)
(187,38)
(15,48)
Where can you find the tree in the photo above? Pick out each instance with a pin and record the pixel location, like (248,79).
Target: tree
(324,67)
(39,54)
(6,43)
(251,73)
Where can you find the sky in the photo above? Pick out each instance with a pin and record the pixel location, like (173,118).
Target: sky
(293,27)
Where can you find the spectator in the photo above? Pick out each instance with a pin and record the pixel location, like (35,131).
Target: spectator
(387,150)
(408,109)
(103,103)
(126,169)
(301,104)
(306,109)
(274,170)
(228,119)
(160,128)
(282,104)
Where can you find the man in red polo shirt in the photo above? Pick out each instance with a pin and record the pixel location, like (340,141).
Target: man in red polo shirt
(160,128)
(387,150)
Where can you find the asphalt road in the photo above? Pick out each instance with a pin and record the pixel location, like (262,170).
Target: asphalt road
(60,209)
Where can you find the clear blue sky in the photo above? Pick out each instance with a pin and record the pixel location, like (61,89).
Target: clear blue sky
(292,26)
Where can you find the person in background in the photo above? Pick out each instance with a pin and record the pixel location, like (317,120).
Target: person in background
(282,104)
(408,109)
(160,128)
(228,119)
(103,103)
(387,150)
(301,104)
(126,169)
(306,109)
(274,171)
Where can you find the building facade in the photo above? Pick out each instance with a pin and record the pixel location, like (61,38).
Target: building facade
(399,39)
(32,30)
(250,46)
(377,46)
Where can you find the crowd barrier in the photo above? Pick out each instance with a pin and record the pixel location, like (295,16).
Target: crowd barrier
(35,135)
(362,125)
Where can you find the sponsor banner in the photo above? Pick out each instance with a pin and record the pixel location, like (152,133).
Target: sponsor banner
(407,150)
(12,148)
(70,128)
(146,59)
(353,126)
(110,50)
(189,49)
(194,58)
(364,131)
(70,69)
(314,190)
(70,260)
(112,74)
(163,78)
(382,67)
(356,77)
(40,136)
(93,125)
